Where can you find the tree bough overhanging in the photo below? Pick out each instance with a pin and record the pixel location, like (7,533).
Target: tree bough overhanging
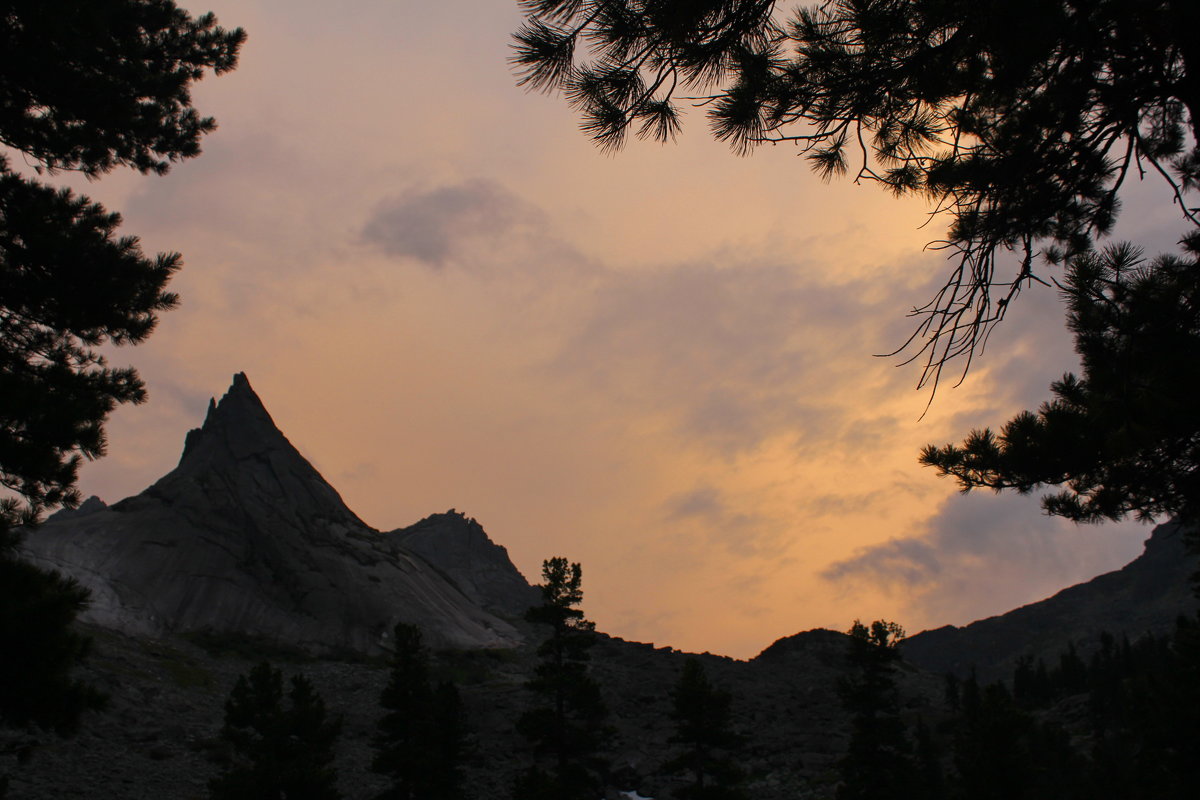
(85,87)
(1020,120)
(1123,438)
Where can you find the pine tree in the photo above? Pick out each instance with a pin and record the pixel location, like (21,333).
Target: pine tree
(446,743)
(277,752)
(419,739)
(703,717)
(36,609)
(1001,751)
(1122,437)
(83,87)
(1020,120)
(878,764)
(38,650)
(569,728)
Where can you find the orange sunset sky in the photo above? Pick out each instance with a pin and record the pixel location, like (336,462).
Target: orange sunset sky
(658,363)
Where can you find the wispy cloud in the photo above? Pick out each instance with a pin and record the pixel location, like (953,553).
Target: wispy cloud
(433,226)
(732,355)
(982,554)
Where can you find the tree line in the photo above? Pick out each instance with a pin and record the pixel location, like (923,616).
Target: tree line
(1122,724)
(278,744)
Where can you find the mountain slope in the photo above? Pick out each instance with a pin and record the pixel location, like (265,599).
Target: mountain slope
(245,536)
(457,546)
(1143,597)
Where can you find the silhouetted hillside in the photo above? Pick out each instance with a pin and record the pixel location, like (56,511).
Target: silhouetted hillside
(1143,597)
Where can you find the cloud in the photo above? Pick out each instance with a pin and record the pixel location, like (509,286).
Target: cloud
(703,502)
(433,226)
(983,554)
(707,511)
(731,356)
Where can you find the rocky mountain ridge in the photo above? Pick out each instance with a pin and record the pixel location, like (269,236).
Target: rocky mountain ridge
(245,536)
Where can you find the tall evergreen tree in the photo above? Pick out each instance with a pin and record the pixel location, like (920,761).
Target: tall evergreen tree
(419,739)
(447,743)
(84,87)
(38,650)
(1122,438)
(568,728)
(878,764)
(703,726)
(1145,709)
(277,752)
(37,689)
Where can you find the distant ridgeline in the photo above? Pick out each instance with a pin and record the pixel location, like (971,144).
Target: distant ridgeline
(1144,597)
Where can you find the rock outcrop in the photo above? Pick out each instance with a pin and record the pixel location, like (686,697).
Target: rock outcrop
(244,536)
(457,546)
(1143,597)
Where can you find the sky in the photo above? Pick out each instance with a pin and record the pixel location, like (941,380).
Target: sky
(660,363)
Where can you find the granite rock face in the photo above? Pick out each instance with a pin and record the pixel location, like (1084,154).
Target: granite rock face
(1145,596)
(458,547)
(245,536)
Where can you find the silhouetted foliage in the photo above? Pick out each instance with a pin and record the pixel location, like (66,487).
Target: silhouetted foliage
(702,714)
(1122,725)
(447,743)
(1144,714)
(930,776)
(38,650)
(878,763)
(1000,751)
(419,741)
(1019,119)
(87,87)
(569,728)
(1124,437)
(277,752)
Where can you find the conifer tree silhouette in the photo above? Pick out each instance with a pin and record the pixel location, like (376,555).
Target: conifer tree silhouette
(419,740)
(878,764)
(703,720)
(277,751)
(83,87)
(568,729)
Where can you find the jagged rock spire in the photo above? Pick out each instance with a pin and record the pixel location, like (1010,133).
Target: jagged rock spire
(236,427)
(240,458)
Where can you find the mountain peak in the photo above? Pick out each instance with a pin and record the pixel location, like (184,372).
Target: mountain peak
(481,569)
(240,450)
(238,425)
(246,536)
